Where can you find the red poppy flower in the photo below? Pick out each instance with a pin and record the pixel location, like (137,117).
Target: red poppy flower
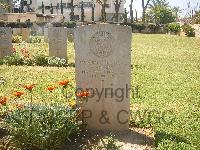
(3,101)
(29,87)
(64,83)
(18,94)
(50,88)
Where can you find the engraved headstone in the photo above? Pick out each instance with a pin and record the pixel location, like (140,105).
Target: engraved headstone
(58,42)
(5,41)
(103,67)
(25,34)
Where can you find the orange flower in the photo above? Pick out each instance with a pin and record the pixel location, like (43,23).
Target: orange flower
(29,87)
(18,94)
(3,101)
(64,83)
(50,88)
(79,94)
(86,94)
(83,94)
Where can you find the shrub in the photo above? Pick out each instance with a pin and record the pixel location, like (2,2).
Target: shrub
(153,28)
(189,31)
(13,59)
(17,25)
(56,61)
(174,28)
(35,39)
(41,60)
(57,24)
(1,61)
(138,26)
(16,39)
(44,126)
(69,24)
(2,24)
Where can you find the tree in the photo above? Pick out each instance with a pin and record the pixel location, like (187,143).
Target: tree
(61,7)
(72,10)
(144,8)
(197,17)
(42,7)
(160,12)
(103,9)
(51,9)
(125,15)
(6,4)
(82,12)
(117,4)
(93,6)
(131,11)
(176,11)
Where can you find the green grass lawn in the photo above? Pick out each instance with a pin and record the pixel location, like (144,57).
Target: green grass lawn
(165,76)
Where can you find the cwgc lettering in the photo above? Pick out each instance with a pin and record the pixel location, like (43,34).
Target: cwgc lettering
(103,61)
(5,41)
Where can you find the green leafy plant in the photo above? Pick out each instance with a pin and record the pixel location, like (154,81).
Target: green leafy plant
(174,28)
(16,39)
(41,60)
(56,61)
(35,39)
(69,24)
(49,127)
(189,31)
(13,59)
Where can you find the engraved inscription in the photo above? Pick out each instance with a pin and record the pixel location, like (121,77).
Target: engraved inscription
(100,44)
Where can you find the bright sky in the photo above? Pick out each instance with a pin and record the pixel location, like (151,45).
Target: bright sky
(181,3)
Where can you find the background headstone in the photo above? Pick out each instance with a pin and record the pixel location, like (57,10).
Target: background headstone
(70,34)
(16,31)
(25,34)
(5,41)
(58,42)
(103,66)
(46,39)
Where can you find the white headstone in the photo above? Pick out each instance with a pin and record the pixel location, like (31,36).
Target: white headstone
(58,42)
(5,41)
(103,67)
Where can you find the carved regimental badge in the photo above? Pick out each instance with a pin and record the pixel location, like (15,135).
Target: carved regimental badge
(100,44)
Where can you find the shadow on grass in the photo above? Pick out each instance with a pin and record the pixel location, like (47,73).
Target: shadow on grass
(161,135)
(129,137)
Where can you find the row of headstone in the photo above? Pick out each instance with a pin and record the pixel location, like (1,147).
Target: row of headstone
(103,67)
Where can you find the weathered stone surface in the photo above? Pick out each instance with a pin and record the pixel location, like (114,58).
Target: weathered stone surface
(5,41)
(46,39)
(103,67)
(58,42)
(70,34)
(25,34)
